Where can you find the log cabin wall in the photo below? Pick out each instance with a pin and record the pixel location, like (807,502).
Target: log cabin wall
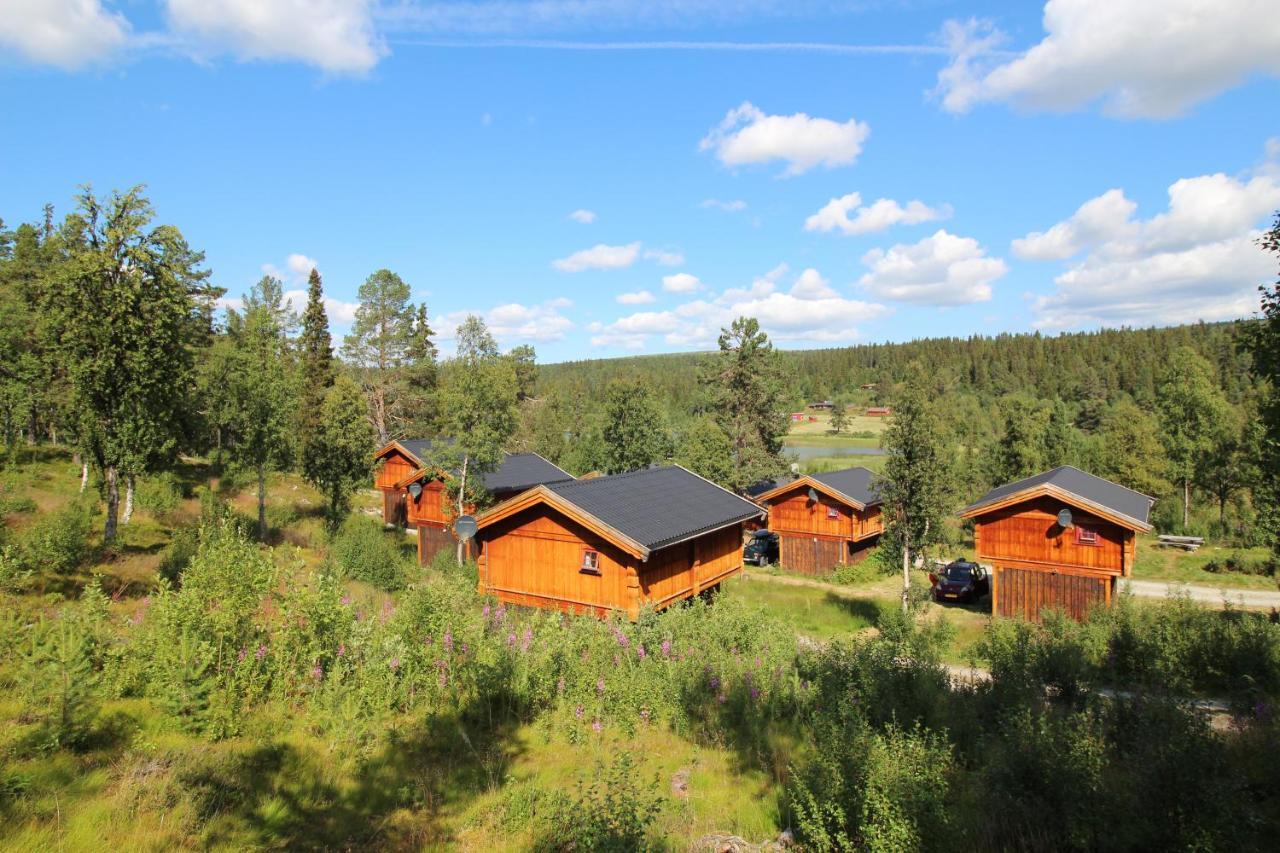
(687,568)
(810,540)
(1037,565)
(535,559)
(394,467)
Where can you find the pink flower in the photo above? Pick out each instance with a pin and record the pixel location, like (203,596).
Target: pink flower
(484,611)
(527,640)
(317,672)
(243,654)
(260,652)
(577,712)
(597,726)
(640,652)
(448,640)
(666,648)
(342,649)
(511,640)
(600,686)
(346,601)
(395,664)
(560,686)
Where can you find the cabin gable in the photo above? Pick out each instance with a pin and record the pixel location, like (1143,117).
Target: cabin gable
(394,466)
(1028,532)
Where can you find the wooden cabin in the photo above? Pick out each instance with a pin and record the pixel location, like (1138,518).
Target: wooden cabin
(418,499)
(822,405)
(613,544)
(824,520)
(879,411)
(1058,539)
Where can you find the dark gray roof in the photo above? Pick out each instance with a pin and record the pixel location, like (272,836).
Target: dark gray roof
(516,472)
(1104,493)
(858,484)
(520,471)
(768,485)
(657,507)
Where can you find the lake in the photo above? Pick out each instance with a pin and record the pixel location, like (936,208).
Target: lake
(804,452)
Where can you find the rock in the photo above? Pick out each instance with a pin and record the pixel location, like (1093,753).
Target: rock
(680,783)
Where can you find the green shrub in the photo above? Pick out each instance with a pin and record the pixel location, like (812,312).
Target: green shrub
(159,494)
(612,814)
(364,551)
(59,681)
(868,569)
(1240,564)
(182,547)
(57,542)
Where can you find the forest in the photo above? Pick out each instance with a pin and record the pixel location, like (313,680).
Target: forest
(208,638)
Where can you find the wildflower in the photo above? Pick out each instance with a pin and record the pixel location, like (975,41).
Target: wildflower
(755,693)
(342,649)
(600,686)
(501,612)
(346,601)
(715,682)
(640,652)
(244,653)
(260,652)
(484,611)
(720,698)
(527,640)
(511,640)
(622,639)
(395,664)
(317,672)
(560,686)
(448,640)
(666,648)
(597,726)
(577,712)
(463,648)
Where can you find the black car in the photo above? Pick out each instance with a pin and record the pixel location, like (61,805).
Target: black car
(762,549)
(960,580)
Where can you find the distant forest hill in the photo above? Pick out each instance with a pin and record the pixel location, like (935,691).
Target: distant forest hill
(1082,368)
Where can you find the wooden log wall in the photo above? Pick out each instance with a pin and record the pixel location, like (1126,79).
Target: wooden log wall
(1026,593)
(810,555)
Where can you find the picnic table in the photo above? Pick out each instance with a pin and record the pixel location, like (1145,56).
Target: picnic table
(1186,543)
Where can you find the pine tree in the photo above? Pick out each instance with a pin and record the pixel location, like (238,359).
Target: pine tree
(748,399)
(316,353)
(379,347)
(840,415)
(422,375)
(339,458)
(1191,409)
(707,452)
(634,432)
(525,361)
(917,484)
(1126,449)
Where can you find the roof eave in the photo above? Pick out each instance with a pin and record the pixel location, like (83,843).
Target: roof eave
(1064,495)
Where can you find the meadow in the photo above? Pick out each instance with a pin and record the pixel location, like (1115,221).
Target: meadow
(193,688)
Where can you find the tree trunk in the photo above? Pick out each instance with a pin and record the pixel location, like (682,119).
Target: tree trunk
(84,475)
(31,428)
(113,503)
(262,503)
(1186,501)
(462,493)
(906,576)
(128,499)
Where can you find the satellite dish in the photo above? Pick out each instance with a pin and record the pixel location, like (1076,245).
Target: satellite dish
(813,494)
(1064,518)
(415,489)
(465,527)
(795,469)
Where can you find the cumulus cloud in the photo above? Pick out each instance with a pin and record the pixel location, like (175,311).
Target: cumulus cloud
(734,206)
(339,312)
(600,257)
(664,258)
(681,282)
(747,136)
(65,33)
(297,267)
(586,217)
(639,297)
(881,214)
(810,311)
(1197,260)
(1139,58)
(513,322)
(941,269)
(335,35)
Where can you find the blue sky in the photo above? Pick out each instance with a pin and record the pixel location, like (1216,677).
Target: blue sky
(847,172)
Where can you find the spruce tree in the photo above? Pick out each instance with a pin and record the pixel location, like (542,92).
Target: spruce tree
(707,452)
(316,355)
(339,458)
(635,434)
(748,398)
(1191,410)
(422,375)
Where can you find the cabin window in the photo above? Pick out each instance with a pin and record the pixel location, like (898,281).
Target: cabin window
(1086,536)
(590,562)
(833,512)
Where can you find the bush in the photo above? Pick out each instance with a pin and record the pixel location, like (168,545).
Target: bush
(183,546)
(1240,564)
(363,550)
(159,493)
(866,570)
(612,814)
(58,542)
(59,678)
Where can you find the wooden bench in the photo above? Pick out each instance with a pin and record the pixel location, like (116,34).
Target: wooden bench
(1186,543)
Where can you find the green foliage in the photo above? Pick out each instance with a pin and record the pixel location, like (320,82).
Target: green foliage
(56,543)
(746,395)
(706,451)
(316,355)
(59,678)
(338,461)
(1127,449)
(1262,341)
(635,436)
(613,813)
(1192,411)
(159,494)
(364,551)
(379,348)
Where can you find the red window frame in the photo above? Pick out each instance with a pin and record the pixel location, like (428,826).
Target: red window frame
(590,562)
(1086,535)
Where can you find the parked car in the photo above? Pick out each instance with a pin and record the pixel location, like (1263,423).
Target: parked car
(762,549)
(960,580)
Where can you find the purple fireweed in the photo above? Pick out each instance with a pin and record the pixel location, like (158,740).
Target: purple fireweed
(600,685)
(578,712)
(244,653)
(511,640)
(346,601)
(260,652)
(666,648)
(317,672)
(342,649)
(597,726)
(395,664)
(640,652)
(448,640)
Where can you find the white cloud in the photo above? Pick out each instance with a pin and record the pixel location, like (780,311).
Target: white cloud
(1140,58)
(681,282)
(882,214)
(810,312)
(66,33)
(734,206)
(639,297)
(1197,260)
(297,267)
(599,257)
(941,269)
(340,313)
(664,258)
(514,322)
(336,35)
(586,217)
(747,135)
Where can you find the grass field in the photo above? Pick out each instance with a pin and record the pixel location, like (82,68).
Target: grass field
(822,426)
(1178,566)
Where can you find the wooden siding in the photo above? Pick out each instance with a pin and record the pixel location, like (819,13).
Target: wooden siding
(394,468)
(809,540)
(1026,592)
(810,555)
(432,539)
(431,505)
(1028,532)
(534,558)
(393,507)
